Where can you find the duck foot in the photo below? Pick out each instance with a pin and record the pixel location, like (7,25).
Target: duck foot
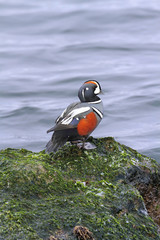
(84,145)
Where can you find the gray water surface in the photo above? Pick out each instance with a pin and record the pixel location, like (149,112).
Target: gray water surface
(48,49)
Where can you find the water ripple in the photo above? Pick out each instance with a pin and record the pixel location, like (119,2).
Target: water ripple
(47,49)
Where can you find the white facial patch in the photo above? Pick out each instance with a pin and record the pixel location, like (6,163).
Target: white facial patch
(97,89)
(83,93)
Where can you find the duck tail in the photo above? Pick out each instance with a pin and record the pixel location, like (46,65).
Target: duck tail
(55,143)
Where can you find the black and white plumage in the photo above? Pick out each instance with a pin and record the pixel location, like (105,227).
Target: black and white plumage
(79,119)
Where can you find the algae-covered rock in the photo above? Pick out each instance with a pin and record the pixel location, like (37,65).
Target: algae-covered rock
(110,192)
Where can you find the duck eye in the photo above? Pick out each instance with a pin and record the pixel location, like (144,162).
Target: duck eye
(87,88)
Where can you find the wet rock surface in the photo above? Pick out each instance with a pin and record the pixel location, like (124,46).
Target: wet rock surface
(111,192)
(147,181)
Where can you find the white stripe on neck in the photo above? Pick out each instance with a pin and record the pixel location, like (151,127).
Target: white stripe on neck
(98,112)
(98,101)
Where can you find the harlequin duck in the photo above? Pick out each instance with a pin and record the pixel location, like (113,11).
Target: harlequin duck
(79,119)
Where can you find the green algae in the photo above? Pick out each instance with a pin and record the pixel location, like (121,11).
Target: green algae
(43,195)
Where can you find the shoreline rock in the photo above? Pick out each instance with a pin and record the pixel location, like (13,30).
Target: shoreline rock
(111,192)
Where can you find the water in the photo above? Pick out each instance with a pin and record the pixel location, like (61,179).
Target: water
(48,49)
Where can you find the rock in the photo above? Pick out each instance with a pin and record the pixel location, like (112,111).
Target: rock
(82,233)
(111,192)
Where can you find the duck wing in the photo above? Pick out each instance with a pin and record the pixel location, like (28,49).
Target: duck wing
(70,117)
